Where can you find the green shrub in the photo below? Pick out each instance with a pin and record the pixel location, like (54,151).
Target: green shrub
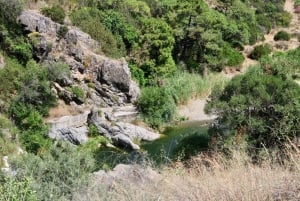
(78,92)
(59,172)
(17,189)
(137,74)
(260,50)
(10,10)
(58,72)
(56,13)
(232,56)
(282,35)
(156,106)
(260,109)
(93,131)
(34,132)
(62,31)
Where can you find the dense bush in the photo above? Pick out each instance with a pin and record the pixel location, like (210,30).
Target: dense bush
(284,64)
(233,57)
(57,173)
(260,109)
(34,132)
(56,13)
(282,35)
(156,106)
(259,51)
(58,72)
(78,92)
(14,189)
(10,10)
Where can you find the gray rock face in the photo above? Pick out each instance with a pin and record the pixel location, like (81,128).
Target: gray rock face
(72,134)
(37,23)
(136,132)
(70,128)
(122,134)
(111,76)
(127,173)
(116,73)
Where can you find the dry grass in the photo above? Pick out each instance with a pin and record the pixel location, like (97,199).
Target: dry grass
(210,178)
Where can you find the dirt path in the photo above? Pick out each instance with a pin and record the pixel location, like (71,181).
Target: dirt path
(194,109)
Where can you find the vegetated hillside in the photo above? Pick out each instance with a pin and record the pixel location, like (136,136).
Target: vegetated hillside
(173,49)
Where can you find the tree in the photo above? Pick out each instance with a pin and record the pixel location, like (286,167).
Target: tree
(261,108)
(156,45)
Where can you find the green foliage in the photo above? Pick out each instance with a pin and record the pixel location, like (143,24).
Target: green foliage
(10,82)
(62,31)
(33,129)
(297,3)
(282,35)
(183,86)
(58,72)
(89,20)
(156,106)
(156,45)
(56,13)
(137,74)
(36,89)
(259,108)
(10,10)
(260,51)
(93,131)
(14,189)
(120,28)
(58,173)
(14,43)
(78,92)
(233,57)
(283,64)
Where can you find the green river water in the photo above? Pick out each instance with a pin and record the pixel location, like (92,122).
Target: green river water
(178,141)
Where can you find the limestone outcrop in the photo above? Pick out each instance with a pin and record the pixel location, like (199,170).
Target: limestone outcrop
(110,78)
(73,128)
(105,82)
(122,134)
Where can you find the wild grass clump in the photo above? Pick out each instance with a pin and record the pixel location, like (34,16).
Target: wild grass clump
(206,177)
(184,86)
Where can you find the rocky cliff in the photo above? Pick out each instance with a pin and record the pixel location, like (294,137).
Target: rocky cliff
(111,78)
(106,83)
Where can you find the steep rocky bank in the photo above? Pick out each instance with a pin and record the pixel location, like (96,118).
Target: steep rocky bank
(106,84)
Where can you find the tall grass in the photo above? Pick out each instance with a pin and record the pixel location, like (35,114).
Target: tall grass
(184,86)
(207,177)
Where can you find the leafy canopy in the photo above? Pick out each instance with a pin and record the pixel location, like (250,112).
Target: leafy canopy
(261,108)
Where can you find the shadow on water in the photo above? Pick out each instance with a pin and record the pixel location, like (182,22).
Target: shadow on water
(180,141)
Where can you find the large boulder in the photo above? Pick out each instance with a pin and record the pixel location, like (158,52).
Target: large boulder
(122,134)
(72,134)
(34,22)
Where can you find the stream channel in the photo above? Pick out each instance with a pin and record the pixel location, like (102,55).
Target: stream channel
(179,141)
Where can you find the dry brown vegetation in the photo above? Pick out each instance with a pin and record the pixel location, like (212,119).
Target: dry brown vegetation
(212,178)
